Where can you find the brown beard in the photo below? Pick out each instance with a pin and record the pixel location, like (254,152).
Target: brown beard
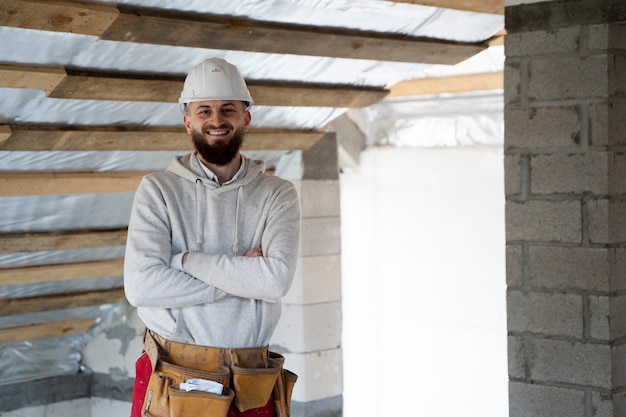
(220,153)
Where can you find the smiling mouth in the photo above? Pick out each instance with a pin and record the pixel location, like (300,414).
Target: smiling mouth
(217,132)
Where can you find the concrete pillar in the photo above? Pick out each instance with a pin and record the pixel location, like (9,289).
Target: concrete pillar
(309,333)
(565,117)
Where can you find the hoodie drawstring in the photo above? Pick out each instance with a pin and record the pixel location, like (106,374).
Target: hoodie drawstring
(199,211)
(235,247)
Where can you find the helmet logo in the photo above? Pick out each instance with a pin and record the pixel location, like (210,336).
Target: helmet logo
(216,70)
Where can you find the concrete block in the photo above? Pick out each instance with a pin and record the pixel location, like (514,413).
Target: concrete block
(544,127)
(570,268)
(617,279)
(320,198)
(548,221)
(309,328)
(517,361)
(618,368)
(319,374)
(320,236)
(528,400)
(514,266)
(513,81)
(561,40)
(102,407)
(607,122)
(600,318)
(617,76)
(317,280)
(602,405)
(79,407)
(568,77)
(35,411)
(596,173)
(607,221)
(546,313)
(512,175)
(618,403)
(617,311)
(564,361)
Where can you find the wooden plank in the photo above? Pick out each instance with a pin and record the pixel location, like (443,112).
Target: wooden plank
(5,134)
(39,242)
(33,183)
(127,87)
(45,330)
(58,16)
(28,76)
(454,84)
(168,27)
(62,272)
(138,138)
(478,6)
(13,306)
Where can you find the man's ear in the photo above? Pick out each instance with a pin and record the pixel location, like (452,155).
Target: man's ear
(246,122)
(187,123)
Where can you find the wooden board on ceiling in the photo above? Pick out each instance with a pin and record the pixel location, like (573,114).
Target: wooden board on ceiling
(176,28)
(48,183)
(169,27)
(61,272)
(477,6)
(58,16)
(140,138)
(53,241)
(126,87)
(452,84)
(19,306)
(45,330)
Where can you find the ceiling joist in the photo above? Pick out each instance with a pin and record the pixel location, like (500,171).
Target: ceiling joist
(45,330)
(167,27)
(72,84)
(454,84)
(48,183)
(40,242)
(139,138)
(62,272)
(477,6)
(15,306)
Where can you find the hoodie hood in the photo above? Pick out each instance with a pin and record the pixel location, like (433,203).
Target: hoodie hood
(188,167)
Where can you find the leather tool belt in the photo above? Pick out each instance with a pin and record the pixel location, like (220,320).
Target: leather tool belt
(250,376)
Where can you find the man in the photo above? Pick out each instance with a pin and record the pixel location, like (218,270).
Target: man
(212,247)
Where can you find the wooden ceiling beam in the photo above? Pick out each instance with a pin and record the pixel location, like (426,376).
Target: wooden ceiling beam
(76,84)
(55,241)
(58,16)
(61,272)
(139,138)
(47,183)
(453,84)
(477,6)
(45,330)
(19,306)
(127,87)
(168,27)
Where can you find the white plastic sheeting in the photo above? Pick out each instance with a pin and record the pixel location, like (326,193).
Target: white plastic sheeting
(397,123)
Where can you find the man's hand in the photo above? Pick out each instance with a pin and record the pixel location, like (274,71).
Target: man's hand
(254,252)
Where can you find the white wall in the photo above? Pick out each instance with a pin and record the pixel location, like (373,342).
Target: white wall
(424,327)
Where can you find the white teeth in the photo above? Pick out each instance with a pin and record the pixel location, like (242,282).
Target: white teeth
(218,132)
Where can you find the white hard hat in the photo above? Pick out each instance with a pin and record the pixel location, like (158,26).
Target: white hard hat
(215,79)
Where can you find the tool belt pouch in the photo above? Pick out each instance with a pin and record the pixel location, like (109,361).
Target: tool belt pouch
(283,388)
(198,403)
(254,386)
(164,382)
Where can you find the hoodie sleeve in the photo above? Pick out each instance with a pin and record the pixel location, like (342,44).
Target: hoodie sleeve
(148,279)
(266,277)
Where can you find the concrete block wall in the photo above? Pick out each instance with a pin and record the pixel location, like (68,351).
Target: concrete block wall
(309,333)
(565,102)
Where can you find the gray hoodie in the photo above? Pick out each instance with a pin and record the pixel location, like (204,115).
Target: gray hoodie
(223,298)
